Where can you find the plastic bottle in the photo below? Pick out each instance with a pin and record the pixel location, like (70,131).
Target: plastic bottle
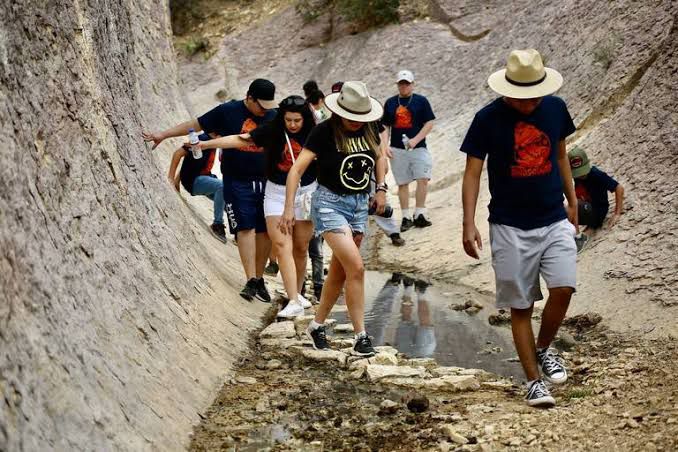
(406,141)
(193,140)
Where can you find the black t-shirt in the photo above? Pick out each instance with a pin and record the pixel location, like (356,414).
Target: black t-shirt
(594,187)
(407,117)
(233,118)
(346,172)
(192,168)
(277,152)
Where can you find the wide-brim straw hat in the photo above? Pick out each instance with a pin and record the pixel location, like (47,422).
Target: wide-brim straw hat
(525,77)
(354,103)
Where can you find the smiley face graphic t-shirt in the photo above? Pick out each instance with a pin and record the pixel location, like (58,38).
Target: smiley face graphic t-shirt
(344,171)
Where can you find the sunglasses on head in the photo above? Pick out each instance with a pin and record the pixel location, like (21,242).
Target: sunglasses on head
(291,101)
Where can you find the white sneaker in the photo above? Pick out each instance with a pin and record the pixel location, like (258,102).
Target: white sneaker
(304,302)
(291,310)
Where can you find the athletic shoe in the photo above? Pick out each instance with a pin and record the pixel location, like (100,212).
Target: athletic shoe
(272,268)
(291,310)
(581,240)
(305,304)
(421,221)
(250,290)
(219,231)
(363,346)
(539,395)
(406,225)
(396,240)
(553,370)
(262,292)
(396,278)
(420,285)
(318,337)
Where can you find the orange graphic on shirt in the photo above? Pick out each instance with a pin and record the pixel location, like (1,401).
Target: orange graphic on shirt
(286,160)
(403,118)
(248,126)
(582,193)
(532,149)
(207,169)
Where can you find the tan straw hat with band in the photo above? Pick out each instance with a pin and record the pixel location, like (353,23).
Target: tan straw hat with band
(353,102)
(525,77)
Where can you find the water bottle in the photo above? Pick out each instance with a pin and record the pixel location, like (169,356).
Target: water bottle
(406,141)
(193,140)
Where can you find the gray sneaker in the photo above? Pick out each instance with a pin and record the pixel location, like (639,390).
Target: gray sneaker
(552,369)
(538,395)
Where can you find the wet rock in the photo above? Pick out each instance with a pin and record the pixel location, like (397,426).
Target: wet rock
(500,318)
(385,359)
(388,407)
(565,341)
(376,372)
(279,330)
(452,435)
(417,403)
(243,380)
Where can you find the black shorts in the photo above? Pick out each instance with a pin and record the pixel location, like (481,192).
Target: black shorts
(245,204)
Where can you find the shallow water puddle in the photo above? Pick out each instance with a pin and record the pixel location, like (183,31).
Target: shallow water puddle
(418,320)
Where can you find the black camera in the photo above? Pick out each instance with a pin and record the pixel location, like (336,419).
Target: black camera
(387,213)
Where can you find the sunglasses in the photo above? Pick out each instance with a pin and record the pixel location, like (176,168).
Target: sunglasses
(293,102)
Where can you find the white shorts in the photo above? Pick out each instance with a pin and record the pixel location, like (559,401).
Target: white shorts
(408,166)
(520,256)
(274,199)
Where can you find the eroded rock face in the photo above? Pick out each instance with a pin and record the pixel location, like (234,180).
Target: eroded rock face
(116,319)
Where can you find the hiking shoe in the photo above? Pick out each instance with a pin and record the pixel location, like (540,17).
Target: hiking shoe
(362,346)
(421,221)
(553,370)
(396,240)
(303,302)
(581,240)
(219,231)
(420,285)
(262,292)
(406,225)
(272,268)
(318,337)
(250,290)
(539,395)
(291,310)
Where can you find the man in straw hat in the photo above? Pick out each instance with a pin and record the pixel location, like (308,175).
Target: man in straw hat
(532,233)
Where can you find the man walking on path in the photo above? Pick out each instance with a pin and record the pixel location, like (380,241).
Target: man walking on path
(410,118)
(244,178)
(523,136)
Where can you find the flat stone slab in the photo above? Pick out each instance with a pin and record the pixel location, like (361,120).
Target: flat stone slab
(444,371)
(425,362)
(376,372)
(241,379)
(279,330)
(282,343)
(387,359)
(322,355)
(387,349)
(448,383)
(343,328)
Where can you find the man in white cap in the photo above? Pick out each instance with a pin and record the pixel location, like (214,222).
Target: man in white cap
(532,233)
(409,118)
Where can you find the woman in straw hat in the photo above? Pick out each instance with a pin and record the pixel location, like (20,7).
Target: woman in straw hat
(522,134)
(346,149)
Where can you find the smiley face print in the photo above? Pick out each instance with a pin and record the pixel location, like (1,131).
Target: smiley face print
(356,170)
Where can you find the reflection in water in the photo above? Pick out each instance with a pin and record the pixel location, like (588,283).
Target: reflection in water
(417,319)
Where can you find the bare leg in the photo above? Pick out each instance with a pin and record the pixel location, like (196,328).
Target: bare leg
(553,315)
(404,196)
(303,231)
(282,248)
(247,250)
(334,282)
(262,251)
(422,191)
(523,337)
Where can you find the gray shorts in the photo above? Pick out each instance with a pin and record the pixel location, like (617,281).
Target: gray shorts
(520,256)
(408,166)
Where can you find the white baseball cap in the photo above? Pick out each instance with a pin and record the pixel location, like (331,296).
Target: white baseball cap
(405,75)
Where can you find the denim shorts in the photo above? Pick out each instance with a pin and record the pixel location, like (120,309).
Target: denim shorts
(332,211)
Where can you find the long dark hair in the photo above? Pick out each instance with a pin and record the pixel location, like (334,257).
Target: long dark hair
(292,104)
(371,132)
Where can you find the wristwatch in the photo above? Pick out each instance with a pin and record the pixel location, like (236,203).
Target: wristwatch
(382,187)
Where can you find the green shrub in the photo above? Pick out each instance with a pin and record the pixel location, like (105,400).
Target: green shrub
(195,45)
(369,13)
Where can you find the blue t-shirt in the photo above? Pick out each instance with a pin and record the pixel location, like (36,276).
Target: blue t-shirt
(233,118)
(522,162)
(593,188)
(407,116)
(192,167)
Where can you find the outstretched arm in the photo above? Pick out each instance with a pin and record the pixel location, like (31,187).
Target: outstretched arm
(176,131)
(229,142)
(469,198)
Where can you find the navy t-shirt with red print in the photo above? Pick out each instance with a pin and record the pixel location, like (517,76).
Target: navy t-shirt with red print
(593,188)
(273,141)
(192,167)
(233,118)
(522,160)
(407,116)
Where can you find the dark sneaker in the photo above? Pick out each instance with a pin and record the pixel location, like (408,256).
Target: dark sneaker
(363,346)
(406,225)
(553,370)
(250,290)
(262,292)
(421,221)
(219,231)
(538,395)
(420,285)
(396,278)
(396,240)
(581,240)
(318,337)
(272,268)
